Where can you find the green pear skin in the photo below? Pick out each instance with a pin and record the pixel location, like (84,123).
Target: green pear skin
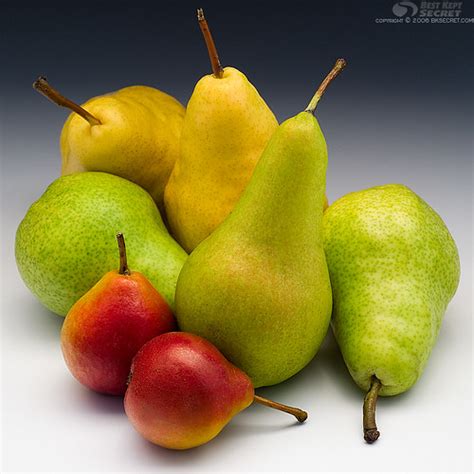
(258,287)
(394,267)
(66,242)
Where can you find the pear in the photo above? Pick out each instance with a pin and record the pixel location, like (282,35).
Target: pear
(226,128)
(64,244)
(107,326)
(258,287)
(133,133)
(182,392)
(394,267)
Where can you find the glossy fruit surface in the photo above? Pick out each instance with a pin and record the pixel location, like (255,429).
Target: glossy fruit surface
(182,391)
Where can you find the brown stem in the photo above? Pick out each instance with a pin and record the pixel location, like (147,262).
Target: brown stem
(43,87)
(211,47)
(371,434)
(299,414)
(123,269)
(338,67)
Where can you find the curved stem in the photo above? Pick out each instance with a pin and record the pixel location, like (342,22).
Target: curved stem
(299,414)
(123,269)
(371,433)
(43,87)
(211,47)
(338,67)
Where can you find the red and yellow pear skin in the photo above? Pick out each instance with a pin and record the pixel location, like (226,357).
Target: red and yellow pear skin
(182,391)
(107,326)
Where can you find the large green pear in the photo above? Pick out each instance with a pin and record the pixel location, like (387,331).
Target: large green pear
(258,286)
(66,242)
(394,267)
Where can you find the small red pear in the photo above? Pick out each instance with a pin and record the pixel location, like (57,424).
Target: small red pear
(109,324)
(182,391)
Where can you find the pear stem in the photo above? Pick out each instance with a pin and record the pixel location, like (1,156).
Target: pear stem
(123,269)
(338,67)
(211,47)
(43,87)
(299,414)
(371,433)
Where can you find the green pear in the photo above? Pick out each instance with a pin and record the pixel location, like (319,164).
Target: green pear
(394,267)
(226,128)
(258,287)
(133,133)
(66,242)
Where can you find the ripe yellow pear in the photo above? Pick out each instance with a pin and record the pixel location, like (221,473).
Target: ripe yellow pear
(133,133)
(226,128)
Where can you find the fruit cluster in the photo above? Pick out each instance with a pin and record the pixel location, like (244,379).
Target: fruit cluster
(236,264)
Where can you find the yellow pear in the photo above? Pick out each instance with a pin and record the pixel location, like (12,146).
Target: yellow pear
(226,128)
(133,133)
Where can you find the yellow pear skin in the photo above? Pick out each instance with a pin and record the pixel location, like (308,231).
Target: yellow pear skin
(226,129)
(133,133)
(138,138)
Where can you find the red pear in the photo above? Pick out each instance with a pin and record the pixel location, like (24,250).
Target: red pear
(182,391)
(107,326)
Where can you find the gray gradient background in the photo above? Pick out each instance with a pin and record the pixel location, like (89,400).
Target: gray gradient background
(401,112)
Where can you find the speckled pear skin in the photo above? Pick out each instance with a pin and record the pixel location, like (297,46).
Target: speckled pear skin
(258,287)
(138,138)
(394,267)
(226,128)
(66,242)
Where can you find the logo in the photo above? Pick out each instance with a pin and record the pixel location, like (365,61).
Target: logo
(422,11)
(404,8)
